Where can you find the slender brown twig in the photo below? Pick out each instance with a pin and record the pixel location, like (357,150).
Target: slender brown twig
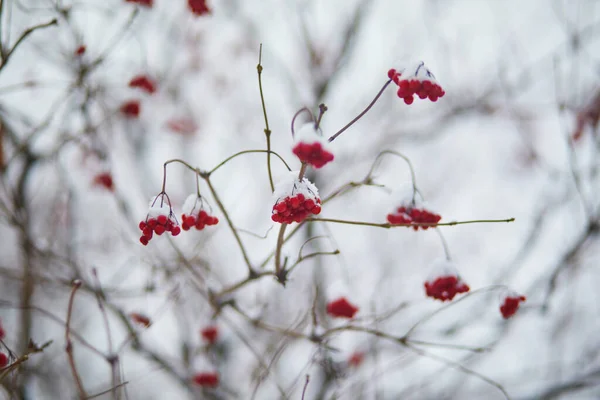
(69,347)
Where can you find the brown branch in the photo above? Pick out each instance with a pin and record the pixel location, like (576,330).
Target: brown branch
(23,36)
(69,347)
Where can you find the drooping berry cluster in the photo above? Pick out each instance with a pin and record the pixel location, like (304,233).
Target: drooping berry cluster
(310,147)
(341,308)
(206,379)
(445,283)
(160,219)
(444,288)
(413,215)
(511,305)
(416,80)
(295,200)
(194,214)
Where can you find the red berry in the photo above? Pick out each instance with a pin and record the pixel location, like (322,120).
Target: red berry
(159,229)
(207,379)
(161,219)
(198,7)
(356,359)
(341,308)
(210,334)
(391,73)
(3,360)
(175,231)
(141,319)
(511,305)
(142,225)
(131,109)
(409,99)
(80,50)
(143,82)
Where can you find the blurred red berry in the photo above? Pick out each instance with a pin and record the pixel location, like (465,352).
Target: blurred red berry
(198,7)
(511,305)
(356,359)
(207,379)
(2,332)
(105,180)
(341,308)
(182,126)
(141,319)
(3,360)
(80,50)
(146,3)
(210,334)
(143,82)
(131,109)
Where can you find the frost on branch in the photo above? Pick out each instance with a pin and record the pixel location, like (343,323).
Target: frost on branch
(160,219)
(444,282)
(416,79)
(295,200)
(311,147)
(194,214)
(510,304)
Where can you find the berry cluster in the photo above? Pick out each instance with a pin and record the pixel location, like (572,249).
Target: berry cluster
(444,288)
(410,215)
(206,379)
(144,83)
(341,308)
(194,216)
(198,7)
(511,305)
(160,219)
(421,83)
(210,334)
(295,208)
(311,148)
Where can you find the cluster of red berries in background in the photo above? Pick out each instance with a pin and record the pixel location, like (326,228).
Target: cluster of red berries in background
(104,180)
(421,82)
(183,126)
(80,50)
(131,108)
(206,379)
(356,359)
(413,215)
(310,147)
(341,308)
(146,3)
(144,83)
(210,334)
(511,305)
(140,319)
(199,221)
(444,288)
(295,208)
(160,219)
(194,216)
(198,7)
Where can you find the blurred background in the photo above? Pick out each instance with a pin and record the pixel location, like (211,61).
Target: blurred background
(82,153)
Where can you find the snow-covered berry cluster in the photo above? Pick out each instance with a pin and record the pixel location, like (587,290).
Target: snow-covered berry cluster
(444,283)
(413,215)
(194,214)
(416,80)
(295,200)
(160,219)
(311,147)
(511,304)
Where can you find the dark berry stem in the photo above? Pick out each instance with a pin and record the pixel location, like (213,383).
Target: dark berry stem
(359,116)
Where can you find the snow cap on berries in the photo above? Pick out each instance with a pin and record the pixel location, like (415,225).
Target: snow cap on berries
(311,147)
(509,303)
(412,211)
(416,79)
(444,283)
(160,219)
(295,200)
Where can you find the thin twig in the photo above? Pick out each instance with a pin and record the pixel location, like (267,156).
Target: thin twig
(69,347)
(412,224)
(305,385)
(23,36)
(259,69)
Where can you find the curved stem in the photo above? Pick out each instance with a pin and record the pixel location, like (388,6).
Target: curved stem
(247,152)
(259,69)
(300,111)
(359,116)
(69,346)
